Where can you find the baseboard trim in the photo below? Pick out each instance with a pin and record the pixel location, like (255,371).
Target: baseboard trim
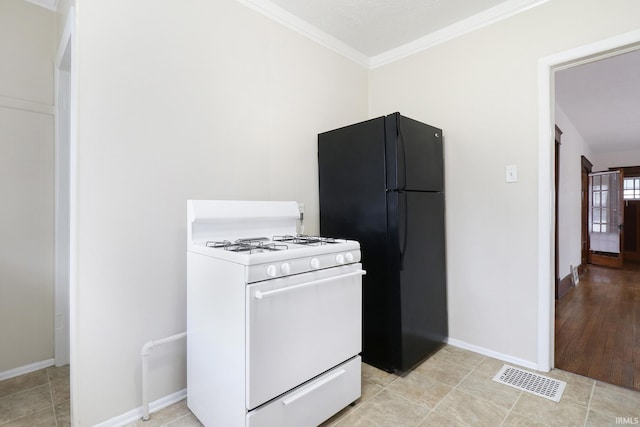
(565,284)
(494,354)
(605,260)
(581,269)
(25,105)
(16,372)
(136,414)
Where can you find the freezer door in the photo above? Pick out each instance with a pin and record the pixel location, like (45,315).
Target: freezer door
(414,155)
(418,234)
(351,169)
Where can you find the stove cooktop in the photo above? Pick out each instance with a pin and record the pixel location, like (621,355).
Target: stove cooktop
(253,245)
(279,256)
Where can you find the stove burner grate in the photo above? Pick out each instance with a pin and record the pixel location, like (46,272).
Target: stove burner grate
(251,246)
(305,240)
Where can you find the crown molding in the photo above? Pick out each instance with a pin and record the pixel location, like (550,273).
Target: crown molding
(300,26)
(47,4)
(497,13)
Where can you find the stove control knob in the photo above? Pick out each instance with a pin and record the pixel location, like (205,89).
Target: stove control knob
(285,268)
(340,259)
(315,263)
(349,257)
(271,271)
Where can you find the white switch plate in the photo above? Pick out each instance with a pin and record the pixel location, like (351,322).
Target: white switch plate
(511,173)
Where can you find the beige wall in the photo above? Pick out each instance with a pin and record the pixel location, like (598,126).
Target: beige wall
(482,90)
(27,35)
(211,100)
(195,99)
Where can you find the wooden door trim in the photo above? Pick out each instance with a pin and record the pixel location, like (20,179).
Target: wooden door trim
(556,274)
(587,167)
(630,172)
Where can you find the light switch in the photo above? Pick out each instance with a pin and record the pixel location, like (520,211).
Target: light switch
(511,173)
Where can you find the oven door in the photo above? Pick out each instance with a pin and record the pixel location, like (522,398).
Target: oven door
(299,327)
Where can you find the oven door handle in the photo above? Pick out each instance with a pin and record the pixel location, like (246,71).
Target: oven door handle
(261,295)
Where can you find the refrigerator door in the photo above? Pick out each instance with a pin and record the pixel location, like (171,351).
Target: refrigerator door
(417,238)
(414,155)
(351,165)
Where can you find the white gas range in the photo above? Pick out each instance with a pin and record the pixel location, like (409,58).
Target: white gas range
(273,319)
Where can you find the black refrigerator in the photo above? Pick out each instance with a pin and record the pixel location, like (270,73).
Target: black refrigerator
(381,183)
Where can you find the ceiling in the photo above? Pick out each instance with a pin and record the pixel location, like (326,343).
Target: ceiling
(375,32)
(602,100)
(373,27)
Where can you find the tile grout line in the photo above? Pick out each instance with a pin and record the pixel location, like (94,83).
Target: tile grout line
(25,391)
(168,423)
(451,391)
(586,418)
(401,397)
(53,407)
(359,405)
(511,409)
(397,378)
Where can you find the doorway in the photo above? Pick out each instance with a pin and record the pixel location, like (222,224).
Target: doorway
(546,177)
(595,325)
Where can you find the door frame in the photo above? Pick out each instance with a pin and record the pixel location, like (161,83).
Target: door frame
(630,172)
(546,192)
(65,284)
(585,169)
(556,243)
(62,79)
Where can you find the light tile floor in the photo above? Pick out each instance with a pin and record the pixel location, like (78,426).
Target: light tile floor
(37,399)
(454,387)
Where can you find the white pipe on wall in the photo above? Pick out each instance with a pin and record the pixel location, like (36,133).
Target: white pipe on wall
(146,349)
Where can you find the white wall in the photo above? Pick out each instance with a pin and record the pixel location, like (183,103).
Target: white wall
(27,34)
(482,90)
(181,100)
(569,195)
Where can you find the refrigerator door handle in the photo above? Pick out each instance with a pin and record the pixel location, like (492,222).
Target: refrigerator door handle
(402,161)
(403,226)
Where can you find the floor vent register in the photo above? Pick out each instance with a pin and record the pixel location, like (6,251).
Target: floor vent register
(539,385)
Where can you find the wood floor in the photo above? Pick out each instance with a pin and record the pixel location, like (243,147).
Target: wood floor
(598,326)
